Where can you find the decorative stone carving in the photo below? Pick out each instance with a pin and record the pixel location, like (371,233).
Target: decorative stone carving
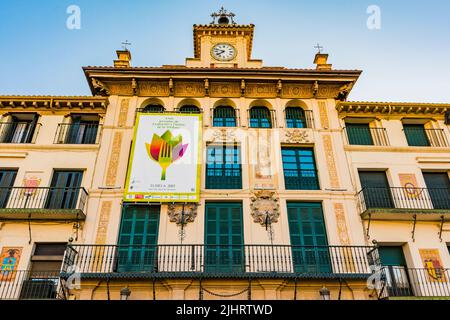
(153,89)
(315,88)
(344,91)
(297,136)
(123,113)
(296,91)
(242,87)
(224,90)
(263,202)
(102,228)
(177,215)
(330,159)
(171,86)
(328,91)
(111,174)
(260,90)
(121,88)
(100,88)
(189,89)
(223,135)
(279,88)
(206,87)
(134,86)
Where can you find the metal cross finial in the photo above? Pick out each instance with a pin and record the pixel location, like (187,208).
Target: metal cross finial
(223,14)
(319,48)
(125,44)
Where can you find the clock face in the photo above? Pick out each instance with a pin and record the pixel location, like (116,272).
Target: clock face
(223,52)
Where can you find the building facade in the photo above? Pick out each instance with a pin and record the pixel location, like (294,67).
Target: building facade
(302,194)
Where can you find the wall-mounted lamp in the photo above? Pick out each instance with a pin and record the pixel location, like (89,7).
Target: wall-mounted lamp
(325,293)
(124,293)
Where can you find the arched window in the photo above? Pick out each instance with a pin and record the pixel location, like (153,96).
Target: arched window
(153,108)
(189,109)
(260,117)
(224,116)
(295,117)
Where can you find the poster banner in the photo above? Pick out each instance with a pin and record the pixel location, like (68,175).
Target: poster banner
(165,158)
(9,260)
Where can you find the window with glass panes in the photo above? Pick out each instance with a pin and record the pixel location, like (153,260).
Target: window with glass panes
(299,169)
(189,109)
(416,135)
(223,167)
(224,116)
(260,117)
(359,134)
(153,108)
(295,117)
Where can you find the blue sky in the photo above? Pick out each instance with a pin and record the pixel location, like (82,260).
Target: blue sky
(408,59)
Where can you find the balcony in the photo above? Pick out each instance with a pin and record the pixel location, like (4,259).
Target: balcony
(397,203)
(216,261)
(19,132)
(366,136)
(30,285)
(29,203)
(407,283)
(78,133)
(420,137)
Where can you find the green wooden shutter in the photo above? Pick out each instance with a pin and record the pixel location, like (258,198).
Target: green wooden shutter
(416,135)
(295,117)
(260,118)
(359,134)
(224,251)
(138,238)
(438,188)
(299,169)
(64,190)
(224,116)
(377,193)
(308,238)
(7,178)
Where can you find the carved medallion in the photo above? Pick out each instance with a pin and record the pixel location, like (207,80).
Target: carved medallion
(182,214)
(223,135)
(297,136)
(263,203)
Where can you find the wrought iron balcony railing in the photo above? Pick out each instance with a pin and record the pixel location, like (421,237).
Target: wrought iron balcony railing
(415,282)
(305,120)
(404,198)
(15,199)
(222,260)
(30,285)
(78,133)
(19,132)
(366,136)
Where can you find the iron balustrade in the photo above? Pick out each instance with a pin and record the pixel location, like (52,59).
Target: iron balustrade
(404,198)
(78,133)
(42,198)
(366,136)
(415,282)
(231,260)
(30,285)
(261,118)
(304,119)
(19,132)
(420,137)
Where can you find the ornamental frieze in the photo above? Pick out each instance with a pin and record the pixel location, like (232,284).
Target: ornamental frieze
(328,91)
(120,88)
(154,88)
(189,89)
(261,90)
(295,91)
(264,206)
(225,90)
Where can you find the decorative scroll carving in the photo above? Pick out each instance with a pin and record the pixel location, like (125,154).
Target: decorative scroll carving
(102,228)
(123,113)
(153,89)
(182,214)
(121,88)
(331,164)
(341,224)
(296,90)
(100,88)
(114,160)
(224,90)
(260,90)
(344,91)
(190,89)
(323,115)
(263,203)
(328,91)
(223,135)
(297,136)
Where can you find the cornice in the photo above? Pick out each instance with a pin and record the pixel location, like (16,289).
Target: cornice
(397,108)
(54,102)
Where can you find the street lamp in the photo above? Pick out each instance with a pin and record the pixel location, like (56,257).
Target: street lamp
(325,293)
(125,293)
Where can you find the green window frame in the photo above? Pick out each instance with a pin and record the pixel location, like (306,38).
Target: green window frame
(7,178)
(295,117)
(438,186)
(153,108)
(64,190)
(359,134)
(224,238)
(223,167)
(189,109)
(299,168)
(416,135)
(224,116)
(138,238)
(308,235)
(260,117)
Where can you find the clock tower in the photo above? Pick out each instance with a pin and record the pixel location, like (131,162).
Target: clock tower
(223,44)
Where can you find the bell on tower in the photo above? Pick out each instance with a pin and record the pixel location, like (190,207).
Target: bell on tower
(223,17)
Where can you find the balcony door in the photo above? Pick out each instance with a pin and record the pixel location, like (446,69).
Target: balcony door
(64,190)
(7,178)
(377,192)
(82,130)
(138,239)
(438,188)
(394,266)
(224,241)
(308,238)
